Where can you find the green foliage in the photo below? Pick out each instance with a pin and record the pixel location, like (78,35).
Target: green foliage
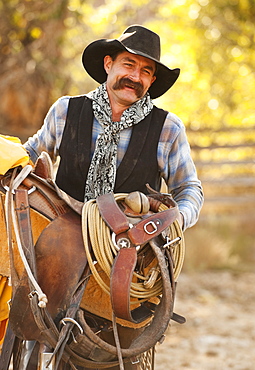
(211,41)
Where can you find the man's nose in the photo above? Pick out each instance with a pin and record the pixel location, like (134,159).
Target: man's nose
(135,75)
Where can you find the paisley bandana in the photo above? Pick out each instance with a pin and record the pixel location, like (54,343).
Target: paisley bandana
(102,171)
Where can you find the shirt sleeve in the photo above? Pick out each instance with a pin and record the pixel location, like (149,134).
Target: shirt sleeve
(49,136)
(178,170)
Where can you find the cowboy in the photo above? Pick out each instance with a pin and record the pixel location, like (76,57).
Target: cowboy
(114,139)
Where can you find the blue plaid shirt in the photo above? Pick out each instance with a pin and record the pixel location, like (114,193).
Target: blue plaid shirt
(174,160)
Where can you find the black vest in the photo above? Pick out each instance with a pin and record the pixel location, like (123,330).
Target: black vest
(138,167)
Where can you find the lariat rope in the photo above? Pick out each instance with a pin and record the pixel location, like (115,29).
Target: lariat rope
(98,235)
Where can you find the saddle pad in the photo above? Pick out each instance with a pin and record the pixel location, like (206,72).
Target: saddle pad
(97,302)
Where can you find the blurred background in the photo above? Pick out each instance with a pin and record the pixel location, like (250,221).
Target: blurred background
(41,42)
(212,42)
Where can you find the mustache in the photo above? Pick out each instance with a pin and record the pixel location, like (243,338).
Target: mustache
(125,81)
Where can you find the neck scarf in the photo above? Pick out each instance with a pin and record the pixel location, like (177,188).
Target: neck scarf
(102,171)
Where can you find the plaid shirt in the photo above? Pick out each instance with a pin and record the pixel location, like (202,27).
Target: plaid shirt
(174,160)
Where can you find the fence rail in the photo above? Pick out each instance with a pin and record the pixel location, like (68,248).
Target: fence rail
(228,178)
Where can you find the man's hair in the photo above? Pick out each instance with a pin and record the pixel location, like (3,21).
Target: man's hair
(115,54)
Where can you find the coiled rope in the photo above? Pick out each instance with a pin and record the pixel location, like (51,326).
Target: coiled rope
(97,235)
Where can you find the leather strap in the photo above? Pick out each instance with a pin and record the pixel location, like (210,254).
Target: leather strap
(153,332)
(23,215)
(111,213)
(140,233)
(151,226)
(127,238)
(7,349)
(122,271)
(121,278)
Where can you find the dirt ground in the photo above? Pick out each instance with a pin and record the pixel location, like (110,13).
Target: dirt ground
(220,330)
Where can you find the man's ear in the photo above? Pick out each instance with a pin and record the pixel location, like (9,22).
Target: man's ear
(153,79)
(107,63)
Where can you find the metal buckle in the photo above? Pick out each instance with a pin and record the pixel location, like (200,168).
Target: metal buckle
(153,224)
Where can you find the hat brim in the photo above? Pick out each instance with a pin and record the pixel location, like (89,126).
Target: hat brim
(93,62)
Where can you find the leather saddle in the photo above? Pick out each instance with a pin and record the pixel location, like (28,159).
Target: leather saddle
(59,256)
(59,263)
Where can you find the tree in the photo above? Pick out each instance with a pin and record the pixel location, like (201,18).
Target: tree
(30,59)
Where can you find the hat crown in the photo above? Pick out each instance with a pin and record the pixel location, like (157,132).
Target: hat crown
(143,40)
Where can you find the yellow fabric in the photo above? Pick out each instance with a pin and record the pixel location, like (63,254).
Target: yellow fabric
(12,153)
(5,296)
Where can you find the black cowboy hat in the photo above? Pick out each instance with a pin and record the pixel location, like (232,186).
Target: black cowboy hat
(136,40)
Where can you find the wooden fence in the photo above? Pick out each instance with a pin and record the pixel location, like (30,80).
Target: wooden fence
(226,167)
(225,233)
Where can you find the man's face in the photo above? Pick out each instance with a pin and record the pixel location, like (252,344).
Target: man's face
(129,77)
